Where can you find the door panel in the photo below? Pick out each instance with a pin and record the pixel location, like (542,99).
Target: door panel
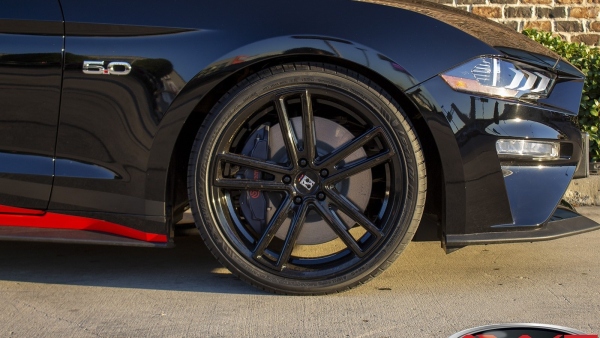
(31,43)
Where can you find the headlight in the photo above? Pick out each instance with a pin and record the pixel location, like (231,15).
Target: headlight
(498,77)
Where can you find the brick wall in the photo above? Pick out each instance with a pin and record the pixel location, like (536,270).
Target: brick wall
(574,20)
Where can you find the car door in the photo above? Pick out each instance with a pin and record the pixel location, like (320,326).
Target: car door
(31,45)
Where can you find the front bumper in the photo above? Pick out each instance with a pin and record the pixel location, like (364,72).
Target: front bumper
(488,198)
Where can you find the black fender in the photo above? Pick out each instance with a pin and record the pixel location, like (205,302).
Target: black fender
(212,44)
(386,57)
(233,65)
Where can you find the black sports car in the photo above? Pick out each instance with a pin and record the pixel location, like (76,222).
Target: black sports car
(309,139)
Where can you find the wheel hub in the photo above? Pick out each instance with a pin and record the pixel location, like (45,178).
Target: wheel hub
(306,183)
(357,188)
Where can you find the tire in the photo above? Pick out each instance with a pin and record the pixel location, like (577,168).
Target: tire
(306,217)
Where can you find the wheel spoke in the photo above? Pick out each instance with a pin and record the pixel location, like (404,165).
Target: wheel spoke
(252,163)
(359,166)
(351,210)
(303,185)
(272,228)
(287,131)
(350,147)
(339,228)
(292,236)
(245,184)
(308,133)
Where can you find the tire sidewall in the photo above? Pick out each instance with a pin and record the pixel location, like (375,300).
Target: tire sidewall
(220,118)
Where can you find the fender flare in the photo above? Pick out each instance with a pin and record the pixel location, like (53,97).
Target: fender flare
(279,48)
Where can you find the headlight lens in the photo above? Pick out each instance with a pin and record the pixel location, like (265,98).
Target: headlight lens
(536,149)
(499,77)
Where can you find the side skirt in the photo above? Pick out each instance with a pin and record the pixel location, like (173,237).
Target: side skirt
(10,233)
(39,225)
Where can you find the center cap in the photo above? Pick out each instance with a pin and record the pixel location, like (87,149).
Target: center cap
(306,182)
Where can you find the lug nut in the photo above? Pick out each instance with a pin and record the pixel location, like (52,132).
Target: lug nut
(324,172)
(320,196)
(298,200)
(287,179)
(303,162)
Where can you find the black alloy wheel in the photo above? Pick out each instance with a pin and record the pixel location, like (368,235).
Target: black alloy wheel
(306,179)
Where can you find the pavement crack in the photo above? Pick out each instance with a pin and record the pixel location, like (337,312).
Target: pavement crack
(559,297)
(52,316)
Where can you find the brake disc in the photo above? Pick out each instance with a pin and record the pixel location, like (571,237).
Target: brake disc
(357,188)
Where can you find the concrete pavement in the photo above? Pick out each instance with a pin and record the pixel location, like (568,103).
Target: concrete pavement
(51,290)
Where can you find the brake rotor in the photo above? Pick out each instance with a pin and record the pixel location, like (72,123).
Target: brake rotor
(356,188)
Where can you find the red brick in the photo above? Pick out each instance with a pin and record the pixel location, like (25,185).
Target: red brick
(588,39)
(536,2)
(584,12)
(469,2)
(595,26)
(488,12)
(544,25)
(568,2)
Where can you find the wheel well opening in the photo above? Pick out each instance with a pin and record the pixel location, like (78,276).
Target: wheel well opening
(178,168)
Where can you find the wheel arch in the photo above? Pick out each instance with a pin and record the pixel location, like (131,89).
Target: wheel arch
(173,142)
(176,194)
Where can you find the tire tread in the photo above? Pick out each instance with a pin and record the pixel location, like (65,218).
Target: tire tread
(356,78)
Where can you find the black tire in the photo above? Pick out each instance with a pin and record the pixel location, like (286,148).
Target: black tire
(269,256)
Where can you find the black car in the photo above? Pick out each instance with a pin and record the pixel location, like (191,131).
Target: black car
(310,139)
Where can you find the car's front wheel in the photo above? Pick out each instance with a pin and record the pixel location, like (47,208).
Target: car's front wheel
(306,179)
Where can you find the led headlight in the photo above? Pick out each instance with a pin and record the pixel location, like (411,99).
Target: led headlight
(529,148)
(498,77)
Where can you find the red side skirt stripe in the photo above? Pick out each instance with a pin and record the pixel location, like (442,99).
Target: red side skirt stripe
(19,217)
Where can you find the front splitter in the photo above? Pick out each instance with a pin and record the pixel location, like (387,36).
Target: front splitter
(562,224)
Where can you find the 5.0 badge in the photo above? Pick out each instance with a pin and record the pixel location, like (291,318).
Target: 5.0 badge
(112,68)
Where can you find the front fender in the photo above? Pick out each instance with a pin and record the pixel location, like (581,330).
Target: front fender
(401,46)
(234,63)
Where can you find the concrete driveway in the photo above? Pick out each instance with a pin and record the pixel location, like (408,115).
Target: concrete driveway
(101,291)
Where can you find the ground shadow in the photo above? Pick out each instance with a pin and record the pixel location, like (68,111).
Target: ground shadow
(187,267)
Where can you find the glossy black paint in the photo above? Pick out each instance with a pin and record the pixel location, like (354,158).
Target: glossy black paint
(200,47)
(122,141)
(478,196)
(31,46)
(531,201)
